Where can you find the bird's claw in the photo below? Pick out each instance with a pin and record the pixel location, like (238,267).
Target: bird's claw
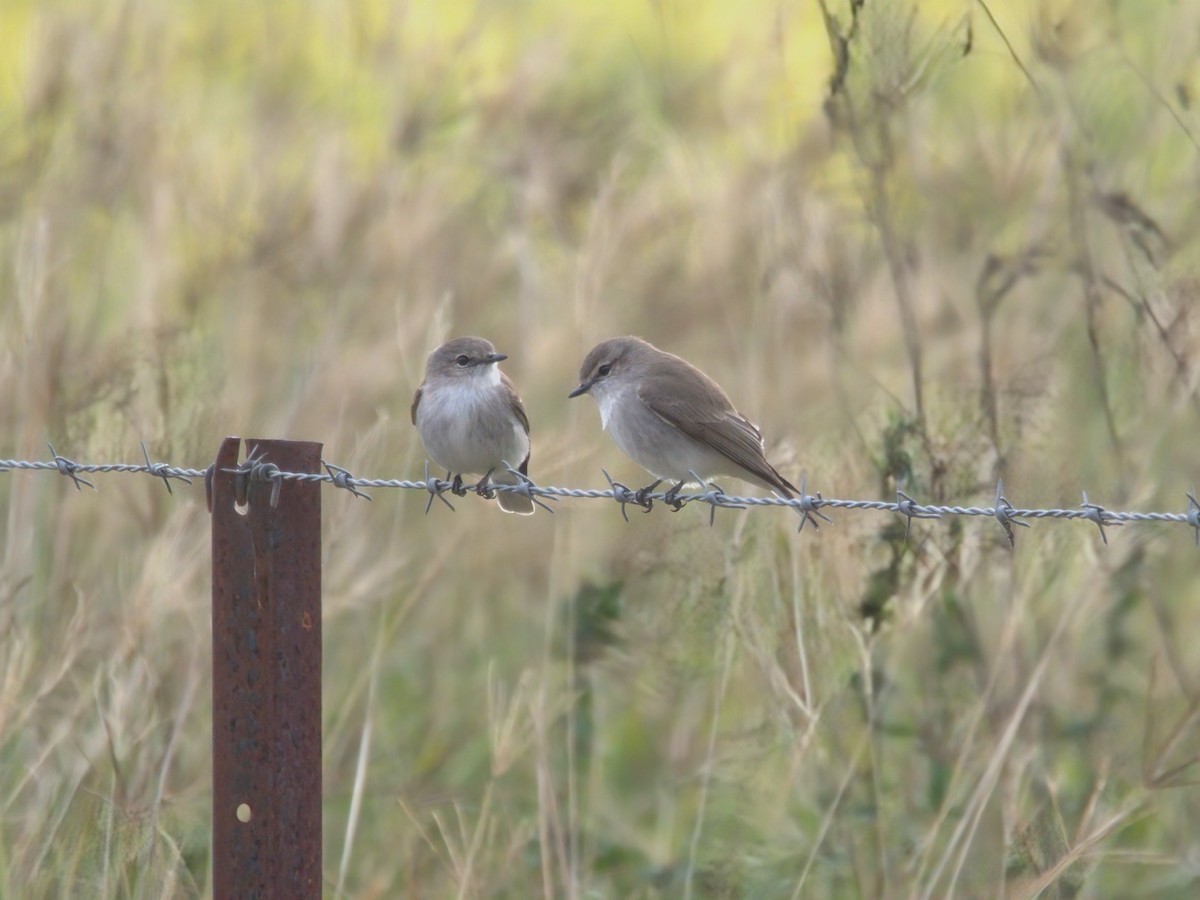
(642,498)
(671,497)
(483,487)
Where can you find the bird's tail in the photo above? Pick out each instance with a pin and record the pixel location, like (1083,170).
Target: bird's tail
(508,501)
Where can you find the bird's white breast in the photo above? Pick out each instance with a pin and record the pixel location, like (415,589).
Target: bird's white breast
(467,426)
(606,402)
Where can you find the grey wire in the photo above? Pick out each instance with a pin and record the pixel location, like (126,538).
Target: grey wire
(808,505)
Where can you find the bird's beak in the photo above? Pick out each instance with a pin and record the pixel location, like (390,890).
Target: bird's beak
(496,357)
(584,387)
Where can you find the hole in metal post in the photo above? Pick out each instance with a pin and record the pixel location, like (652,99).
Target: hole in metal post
(241,508)
(243,812)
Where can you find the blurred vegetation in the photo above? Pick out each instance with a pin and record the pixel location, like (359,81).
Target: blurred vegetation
(927,245)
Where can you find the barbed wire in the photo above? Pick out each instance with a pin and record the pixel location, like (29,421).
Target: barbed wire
(256,468)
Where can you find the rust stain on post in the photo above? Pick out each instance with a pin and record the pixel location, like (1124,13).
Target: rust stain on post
(266,630)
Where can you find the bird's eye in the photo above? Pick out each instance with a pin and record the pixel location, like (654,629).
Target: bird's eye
(462,359)
(604,369)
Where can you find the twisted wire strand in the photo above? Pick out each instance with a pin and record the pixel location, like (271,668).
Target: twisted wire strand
(810,506)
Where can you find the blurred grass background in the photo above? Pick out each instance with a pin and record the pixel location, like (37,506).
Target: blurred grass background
(925,245)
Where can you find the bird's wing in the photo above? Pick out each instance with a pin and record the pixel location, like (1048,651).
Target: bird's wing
(416,402)
(514,400)
(696,405)
(518,410)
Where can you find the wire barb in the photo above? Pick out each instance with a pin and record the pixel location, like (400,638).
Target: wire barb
(908,507)
(524,486)
(1100,516)
(809,506)
(1006,515)
(435,488)
(255,469)
(717,497)
(208,486)
(162,470)
(624,495)
(341,478)
(69,468)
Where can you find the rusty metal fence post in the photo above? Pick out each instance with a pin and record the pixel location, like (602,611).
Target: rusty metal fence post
(266,633)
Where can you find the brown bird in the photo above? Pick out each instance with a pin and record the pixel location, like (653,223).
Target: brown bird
(671,418)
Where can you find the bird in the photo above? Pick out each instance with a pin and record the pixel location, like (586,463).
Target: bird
(471,419)
(672,419)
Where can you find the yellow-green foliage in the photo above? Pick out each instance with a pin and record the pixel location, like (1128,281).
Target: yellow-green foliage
(963,248)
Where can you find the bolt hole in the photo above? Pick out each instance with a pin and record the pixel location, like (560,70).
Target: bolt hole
(243,812)
(241,508)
